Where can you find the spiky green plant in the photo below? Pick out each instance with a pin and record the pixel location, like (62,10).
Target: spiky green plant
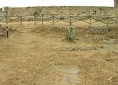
(70,33)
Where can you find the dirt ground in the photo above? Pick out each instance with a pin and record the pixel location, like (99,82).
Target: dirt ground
(38,55)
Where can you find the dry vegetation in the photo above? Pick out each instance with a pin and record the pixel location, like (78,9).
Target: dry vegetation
(62,10)
(38,55)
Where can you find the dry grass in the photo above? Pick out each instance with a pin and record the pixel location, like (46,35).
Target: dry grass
(28,57)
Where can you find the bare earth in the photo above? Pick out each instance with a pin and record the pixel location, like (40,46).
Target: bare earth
(38,55)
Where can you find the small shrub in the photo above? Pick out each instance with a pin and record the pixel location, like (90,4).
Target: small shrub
(70,33)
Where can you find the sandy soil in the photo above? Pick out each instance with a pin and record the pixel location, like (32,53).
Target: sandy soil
(38,55)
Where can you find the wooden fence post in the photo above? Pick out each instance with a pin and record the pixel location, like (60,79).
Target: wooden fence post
(21,20)
(7,31)
(90,22)
(7,20)
(35,20)
(53,19)
(42,18)
(70,20)
(107,21)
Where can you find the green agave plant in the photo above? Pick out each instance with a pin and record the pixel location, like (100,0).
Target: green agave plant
(70,33)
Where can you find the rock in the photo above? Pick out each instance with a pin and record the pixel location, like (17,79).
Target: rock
(111,41)
(110,79)
(99,30)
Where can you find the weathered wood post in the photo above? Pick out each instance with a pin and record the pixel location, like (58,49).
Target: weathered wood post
(42,18)
(90,21)
(7,31)
(70,20)
(34,19)
(107,22)
(53,17)
(6,10)
(7,20)
(21,20)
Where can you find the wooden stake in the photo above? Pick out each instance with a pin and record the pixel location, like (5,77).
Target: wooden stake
(53,19)
(21,20)
(70,20)
(42,19)
(7,31)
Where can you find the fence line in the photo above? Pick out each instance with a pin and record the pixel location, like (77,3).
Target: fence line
(54,19)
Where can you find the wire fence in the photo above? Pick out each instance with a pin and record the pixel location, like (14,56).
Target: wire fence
(54,18)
